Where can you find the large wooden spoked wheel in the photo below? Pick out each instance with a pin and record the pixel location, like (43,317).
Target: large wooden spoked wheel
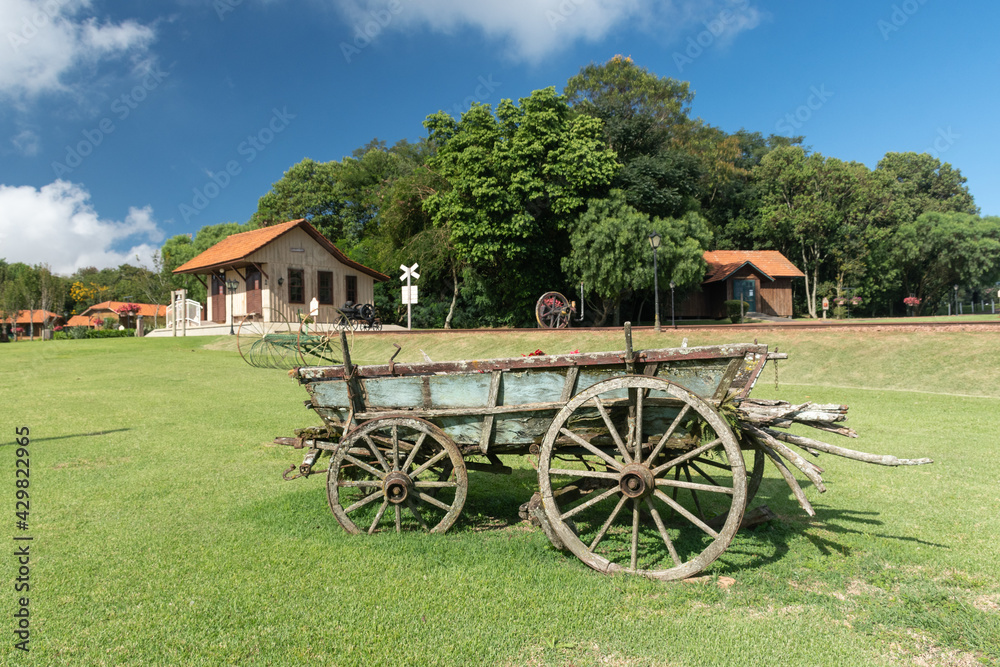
(397,473)
(650,465)
(553,311)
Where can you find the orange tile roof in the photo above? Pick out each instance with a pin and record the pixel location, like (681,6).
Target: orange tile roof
(35,316)
(145,309)
(78,321)
(237,247)
(723,263)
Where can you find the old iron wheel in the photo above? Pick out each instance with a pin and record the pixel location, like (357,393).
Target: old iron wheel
(651,516)
(385,471)
(317,343)
(552,311)
(267,341)
(344,323)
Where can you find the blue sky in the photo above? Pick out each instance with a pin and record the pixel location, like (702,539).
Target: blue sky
(125,122)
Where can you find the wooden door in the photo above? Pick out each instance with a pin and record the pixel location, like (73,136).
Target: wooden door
(218,298)
(254,299)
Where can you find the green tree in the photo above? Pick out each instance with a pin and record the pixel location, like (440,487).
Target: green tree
(516,182)
(610,252)
(799,211)
(938,250)
(929,184)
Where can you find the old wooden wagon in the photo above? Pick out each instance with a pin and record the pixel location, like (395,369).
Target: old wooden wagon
(638,468)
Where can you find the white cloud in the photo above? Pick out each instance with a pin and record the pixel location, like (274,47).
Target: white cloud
(56,225)
(533,29)
(26,142)
(46,40)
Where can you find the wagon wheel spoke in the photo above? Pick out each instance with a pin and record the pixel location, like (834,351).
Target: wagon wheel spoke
(364,466)
(694,496)
(378,454)
(433,501)
(710,462)
(607,524)
(611,429)
(589,503)
(589,520)
(378,516)
(637,424)
(413,452)
(704,474)
(680,509)
(591,448)
(592,474)
(635,533)
(426,491)
(695,486)
(416,514)
(429,463)
(395,448)
(663,532)
(364,501)
(687,456)
(669,432)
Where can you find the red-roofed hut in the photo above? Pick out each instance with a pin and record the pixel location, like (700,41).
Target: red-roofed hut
(762,278)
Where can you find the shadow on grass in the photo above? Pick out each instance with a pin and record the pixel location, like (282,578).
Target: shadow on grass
(72,435)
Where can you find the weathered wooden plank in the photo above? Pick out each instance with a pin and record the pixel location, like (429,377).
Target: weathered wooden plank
(614,359)
(491,402)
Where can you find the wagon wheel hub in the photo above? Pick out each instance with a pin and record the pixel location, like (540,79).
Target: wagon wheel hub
(397,487)
(636,481)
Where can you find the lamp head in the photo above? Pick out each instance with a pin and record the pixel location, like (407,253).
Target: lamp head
(654,240)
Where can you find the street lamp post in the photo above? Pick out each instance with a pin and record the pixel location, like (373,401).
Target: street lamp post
(654,243)
(956,299)
(231,285)
(673,323)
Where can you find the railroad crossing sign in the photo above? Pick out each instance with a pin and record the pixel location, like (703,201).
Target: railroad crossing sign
(409,271)
(409,293)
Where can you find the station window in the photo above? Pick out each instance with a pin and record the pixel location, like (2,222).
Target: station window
(296,286)
(325,287)
(352,288)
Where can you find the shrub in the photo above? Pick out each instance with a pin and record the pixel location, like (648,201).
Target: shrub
(735,308)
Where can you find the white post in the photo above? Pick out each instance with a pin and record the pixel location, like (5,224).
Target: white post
(407,272)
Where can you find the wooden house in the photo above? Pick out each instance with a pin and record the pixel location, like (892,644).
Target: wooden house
(762,278)
(279,270)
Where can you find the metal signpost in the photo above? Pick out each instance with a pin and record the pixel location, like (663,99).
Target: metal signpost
(409,292)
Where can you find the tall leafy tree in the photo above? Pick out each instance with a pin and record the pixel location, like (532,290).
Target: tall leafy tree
(610,252)
(517,180)
(938,250)
(929,184)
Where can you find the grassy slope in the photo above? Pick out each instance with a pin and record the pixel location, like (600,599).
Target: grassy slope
(164,534)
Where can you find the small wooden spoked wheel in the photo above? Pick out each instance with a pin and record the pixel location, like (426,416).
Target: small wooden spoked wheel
(397,472)
(633,470)
(553,311)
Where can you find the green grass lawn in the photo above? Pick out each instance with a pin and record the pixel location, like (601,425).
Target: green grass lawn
(164,534)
